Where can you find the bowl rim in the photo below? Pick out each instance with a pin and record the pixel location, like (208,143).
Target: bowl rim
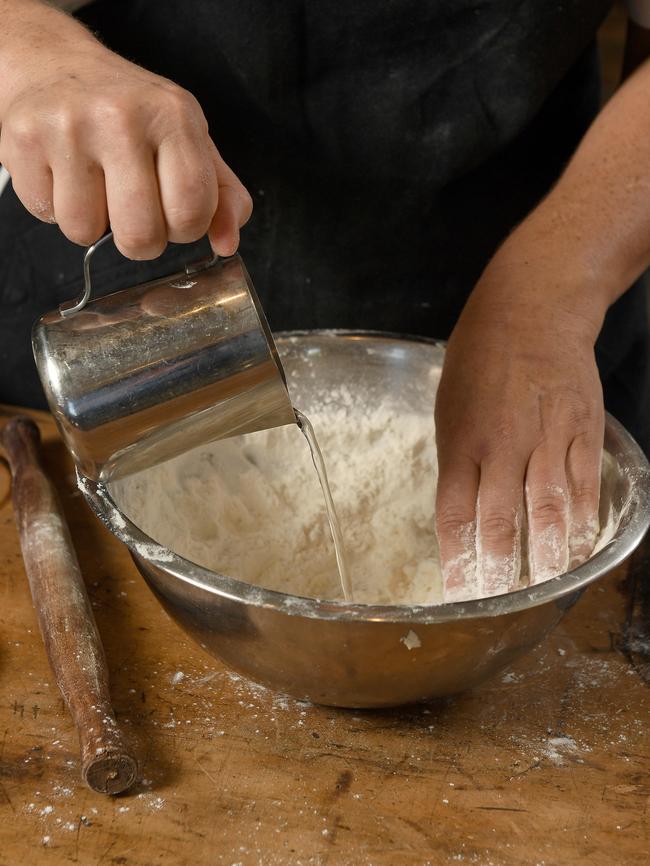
(633,527)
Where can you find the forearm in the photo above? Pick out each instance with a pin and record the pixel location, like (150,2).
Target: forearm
(35,35)
(589,239)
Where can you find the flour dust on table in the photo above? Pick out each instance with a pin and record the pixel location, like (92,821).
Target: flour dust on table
(251,506)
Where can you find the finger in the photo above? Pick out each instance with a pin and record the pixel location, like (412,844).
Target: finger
(547,511)
(23,156)
(32,183)
(79,198)
(234,209)
(583,468)
(188,188)
(458,482)
(133,201)
(498,536)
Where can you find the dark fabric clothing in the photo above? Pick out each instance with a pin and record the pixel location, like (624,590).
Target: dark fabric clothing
(389,148)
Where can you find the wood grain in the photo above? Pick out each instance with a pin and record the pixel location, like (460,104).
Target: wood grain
(548,763)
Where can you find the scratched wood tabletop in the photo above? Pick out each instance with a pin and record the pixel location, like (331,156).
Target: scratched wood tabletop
(548,763)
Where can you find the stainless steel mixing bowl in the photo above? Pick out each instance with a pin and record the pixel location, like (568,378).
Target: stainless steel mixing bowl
(362,655)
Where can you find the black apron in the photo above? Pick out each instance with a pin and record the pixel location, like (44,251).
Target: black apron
(389,148)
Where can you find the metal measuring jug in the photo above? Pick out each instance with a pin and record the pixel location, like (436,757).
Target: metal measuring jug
(144,374)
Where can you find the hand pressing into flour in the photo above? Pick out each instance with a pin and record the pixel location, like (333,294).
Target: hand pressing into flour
(520,422)
(91,139)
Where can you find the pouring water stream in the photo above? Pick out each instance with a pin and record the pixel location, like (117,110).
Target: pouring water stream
(307,430)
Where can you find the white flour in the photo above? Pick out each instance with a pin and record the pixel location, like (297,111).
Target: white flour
(251,507)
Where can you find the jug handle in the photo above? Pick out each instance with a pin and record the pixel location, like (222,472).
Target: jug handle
(69,308)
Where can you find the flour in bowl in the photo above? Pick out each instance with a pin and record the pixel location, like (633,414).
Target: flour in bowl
(251,506)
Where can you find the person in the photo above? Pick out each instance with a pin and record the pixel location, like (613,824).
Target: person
(421,167)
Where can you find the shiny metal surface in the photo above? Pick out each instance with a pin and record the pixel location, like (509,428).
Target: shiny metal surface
(138,376)
(358,655)
(71,308)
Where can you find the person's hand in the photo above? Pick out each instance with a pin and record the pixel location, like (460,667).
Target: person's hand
(90,138)
(519,427)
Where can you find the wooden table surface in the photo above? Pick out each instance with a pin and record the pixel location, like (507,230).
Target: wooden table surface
(548,763)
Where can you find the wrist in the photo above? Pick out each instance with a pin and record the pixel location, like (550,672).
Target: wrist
(534,284)
(550,263)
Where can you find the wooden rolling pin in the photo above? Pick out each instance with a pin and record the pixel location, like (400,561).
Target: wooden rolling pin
(65,617)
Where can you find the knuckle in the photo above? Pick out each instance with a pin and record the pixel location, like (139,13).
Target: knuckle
(585,440)
(583,414)
(196,188)
(116,118)
(453,520)
(188,222)
(180,98)
(547,509)
(500,439)
(66,122)
(194,195)
(589,441)
(585,494)
(498,526)
(114,107)
(184,106)
(24,129)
